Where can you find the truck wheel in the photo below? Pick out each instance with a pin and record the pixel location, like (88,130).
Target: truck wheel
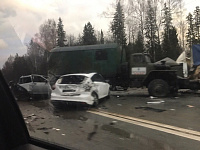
(158,88)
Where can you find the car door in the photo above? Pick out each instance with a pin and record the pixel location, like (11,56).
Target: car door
(101,85)
(26,82)
(40,85)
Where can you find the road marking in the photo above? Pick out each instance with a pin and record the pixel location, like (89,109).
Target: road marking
(190,134)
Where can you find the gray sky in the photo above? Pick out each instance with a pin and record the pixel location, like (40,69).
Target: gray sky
(20,19)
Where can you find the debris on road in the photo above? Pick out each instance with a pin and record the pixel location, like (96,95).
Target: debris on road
(131,136)
(43,128)
(56,129)
(172,109)
(103,107)
(29,126)
(90,135)
(190,106)
(31,118)
(152,97)
(113,122)
(150,108)
(155,102)
(46,132)
(119,104)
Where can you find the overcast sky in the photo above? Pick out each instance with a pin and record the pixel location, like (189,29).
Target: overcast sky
(20,19)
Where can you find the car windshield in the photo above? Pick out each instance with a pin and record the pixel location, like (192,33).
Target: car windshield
(105,74)
(72,79)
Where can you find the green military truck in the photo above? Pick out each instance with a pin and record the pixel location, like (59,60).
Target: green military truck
(109,60)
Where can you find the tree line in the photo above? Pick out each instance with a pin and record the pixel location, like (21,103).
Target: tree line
(144,26)
(50,35)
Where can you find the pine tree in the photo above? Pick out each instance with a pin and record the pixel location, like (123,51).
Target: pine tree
(170,45)
(117,26)
(7,69)
(89,37)
(139,43)
(190,34)
(151,28)
(197,24)
(61,37)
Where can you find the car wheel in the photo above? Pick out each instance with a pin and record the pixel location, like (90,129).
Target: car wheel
(113,88)
(96,100)
(125,88)
(108,96)
(23,97)
(158,88)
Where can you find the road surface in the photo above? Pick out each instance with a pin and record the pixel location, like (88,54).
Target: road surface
(128,120)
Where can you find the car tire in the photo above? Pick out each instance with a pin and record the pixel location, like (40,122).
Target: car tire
(113,88)
(96,100)
(108,96)
(24,97)
(158,88)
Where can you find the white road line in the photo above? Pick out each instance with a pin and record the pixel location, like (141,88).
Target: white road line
(190,134)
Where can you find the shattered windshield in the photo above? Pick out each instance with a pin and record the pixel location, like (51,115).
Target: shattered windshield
(121,101)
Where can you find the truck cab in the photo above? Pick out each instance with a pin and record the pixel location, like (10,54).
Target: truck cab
(158,78)
(140,65)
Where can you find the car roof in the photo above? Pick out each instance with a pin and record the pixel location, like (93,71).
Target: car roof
(89,75)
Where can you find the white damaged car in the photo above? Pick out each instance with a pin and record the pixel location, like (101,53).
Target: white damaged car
(36,85)
(80,88)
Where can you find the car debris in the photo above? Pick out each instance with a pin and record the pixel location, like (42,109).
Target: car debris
(152,97)
(113,122)
(155,102)
(190,106)
(29,126)
(150,109)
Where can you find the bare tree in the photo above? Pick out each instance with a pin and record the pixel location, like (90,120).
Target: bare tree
(71,39)
(135,17)
(47,34)
(177,9)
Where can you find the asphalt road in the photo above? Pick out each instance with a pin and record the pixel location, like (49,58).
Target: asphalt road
(129,120)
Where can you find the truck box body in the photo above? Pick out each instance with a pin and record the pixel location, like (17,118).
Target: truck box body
(105,59)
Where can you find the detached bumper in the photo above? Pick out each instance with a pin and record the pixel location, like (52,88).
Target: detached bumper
(79,99)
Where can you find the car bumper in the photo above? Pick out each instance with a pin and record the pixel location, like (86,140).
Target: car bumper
(79,99)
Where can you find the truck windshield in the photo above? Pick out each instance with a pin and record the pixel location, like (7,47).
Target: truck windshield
(147,59)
